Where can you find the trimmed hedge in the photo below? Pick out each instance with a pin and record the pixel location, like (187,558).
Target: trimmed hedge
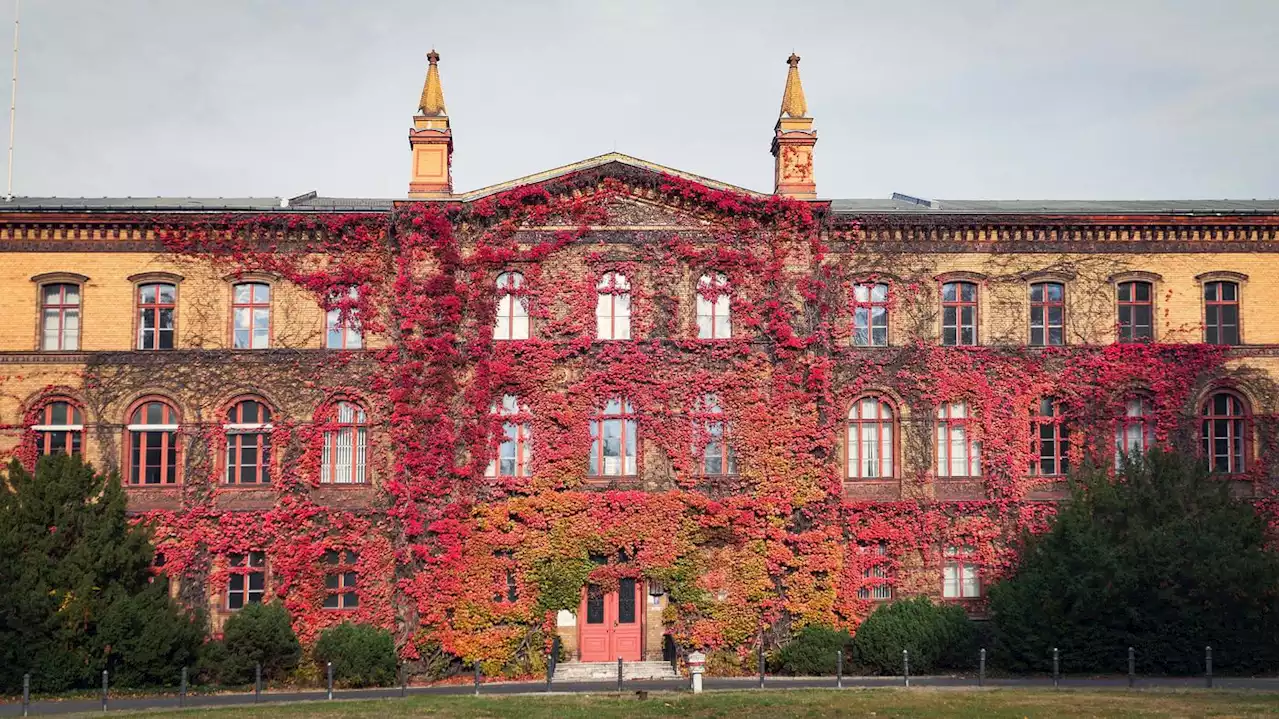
(362,655)
(936,636)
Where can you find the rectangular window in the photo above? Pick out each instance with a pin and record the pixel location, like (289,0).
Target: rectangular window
(1048,314)
(875,585)
(340,579)
(156,314)
(60,317)
(958,455)
(960,574)
(247,581)
(1221,313)
(342,325)
(251,315)
(1134,311)
(871,315)
(959,314)
(1048,441)
(613,441)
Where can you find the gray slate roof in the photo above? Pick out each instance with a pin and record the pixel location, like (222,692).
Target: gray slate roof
(911,206)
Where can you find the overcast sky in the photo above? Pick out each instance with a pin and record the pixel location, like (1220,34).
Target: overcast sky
(1066,99)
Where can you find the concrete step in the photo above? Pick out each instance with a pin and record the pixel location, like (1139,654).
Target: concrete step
(608,671)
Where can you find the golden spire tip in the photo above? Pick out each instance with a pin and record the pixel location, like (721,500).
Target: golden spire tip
(432,100)
(793,104)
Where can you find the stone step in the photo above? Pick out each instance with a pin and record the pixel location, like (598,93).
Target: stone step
(608,671)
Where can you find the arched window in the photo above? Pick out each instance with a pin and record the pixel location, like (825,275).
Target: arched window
(1222,313)
(152,442)
(1134,311)
(342,325)
(1048,314)
(714,320)
(512,322)
(1136,429)
(959,455)
(711,430)
(345,446)
(871,315)
(515,449)
(1048,440)
(250,316)
(60,317)
(59,428)
(157,307)
(959,314)
(1224,431)
(248,429)
(869,439)
(613,307)
(613,440)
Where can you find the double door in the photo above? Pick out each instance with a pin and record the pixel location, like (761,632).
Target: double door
(609,624)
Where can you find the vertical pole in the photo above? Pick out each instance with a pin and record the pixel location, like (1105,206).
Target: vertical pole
(13,98)
(1055,667)
(619,675)
(477,680)
(982,666)
(182,689)
(328,670)
(1208,667)
(906,670)
(26,693)
(404,679)
(760,661)
(1130,667)
(257,681)
(104,690)
(839,668)
(551,668)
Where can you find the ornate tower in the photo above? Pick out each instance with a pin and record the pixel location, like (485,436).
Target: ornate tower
(793,141)
(431,140)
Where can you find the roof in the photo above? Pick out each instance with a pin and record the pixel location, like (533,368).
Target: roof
(904,205)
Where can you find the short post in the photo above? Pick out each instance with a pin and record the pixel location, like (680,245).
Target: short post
(839,669)
(619,674)
(906,669)
(697,663)
(328,670)
(551,668)
(26,693)
(404,679)
(1055,667)
(182,689)
(1130,667)
(1208,667)
(257,681)
(104,690)
(982,666)
(760,662)
(477,680)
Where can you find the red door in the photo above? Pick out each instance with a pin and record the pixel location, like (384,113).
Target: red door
(609,623)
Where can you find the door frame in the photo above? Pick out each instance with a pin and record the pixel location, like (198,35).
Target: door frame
(642,609)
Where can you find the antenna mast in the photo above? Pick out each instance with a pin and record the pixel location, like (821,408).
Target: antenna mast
(13,97)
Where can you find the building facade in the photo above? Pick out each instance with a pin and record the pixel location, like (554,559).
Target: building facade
(618,403)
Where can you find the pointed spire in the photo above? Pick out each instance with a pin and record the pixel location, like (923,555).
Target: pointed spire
(432,101)
(793,95)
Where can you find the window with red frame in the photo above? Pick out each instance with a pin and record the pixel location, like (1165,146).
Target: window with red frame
(246,579)
(152,443)
(869,439)
(871,315)
(59,428)
(875,573)
(512,320)
(248,430)
(959,455)
(1048,314)
(1135,429)
(250,316)
(711,430)
(959,314)
(1049,440)
(340,579)
(342,323)
(346,440)
(60,317)
(515,450)
(613,307)
(713,312)
(1221,313)
(157,310)
(960,574)
(1135,311)
(613,440)
(1224,428)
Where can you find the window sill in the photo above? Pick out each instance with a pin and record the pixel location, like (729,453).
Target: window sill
(343,485)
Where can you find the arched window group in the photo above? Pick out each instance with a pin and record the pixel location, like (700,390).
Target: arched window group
(1224,432)
(59,428)
(152,443)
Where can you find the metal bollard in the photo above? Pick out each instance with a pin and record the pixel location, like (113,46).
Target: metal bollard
(477,673)
(839,669)
(1130,667)
(328,670)
(104,690)
(906,669)
(257,681)
(182,689)
(404,679)
(760,662)
(1208,667)
(551,669)
(619,675)
(26,693)
(1055,667)
(982,666)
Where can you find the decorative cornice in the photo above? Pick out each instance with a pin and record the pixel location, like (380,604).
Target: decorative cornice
(1134,275)
(142,277)
(1222,275)
(71,278)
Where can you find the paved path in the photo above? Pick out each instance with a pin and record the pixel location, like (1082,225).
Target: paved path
(712,684)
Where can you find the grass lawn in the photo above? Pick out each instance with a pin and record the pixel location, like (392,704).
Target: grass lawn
(879,703)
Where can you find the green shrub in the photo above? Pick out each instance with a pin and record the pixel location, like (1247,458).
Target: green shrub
(362,655)
(813,651)
(936,636)
(259,633)
(148,638)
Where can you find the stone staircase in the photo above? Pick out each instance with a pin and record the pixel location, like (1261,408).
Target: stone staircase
(608,671)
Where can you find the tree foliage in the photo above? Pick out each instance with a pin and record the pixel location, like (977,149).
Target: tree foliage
(258,634)
(936,636)
(362,655)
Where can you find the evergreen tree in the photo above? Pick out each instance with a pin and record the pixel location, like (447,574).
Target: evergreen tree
(70,560)
(1160,558)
